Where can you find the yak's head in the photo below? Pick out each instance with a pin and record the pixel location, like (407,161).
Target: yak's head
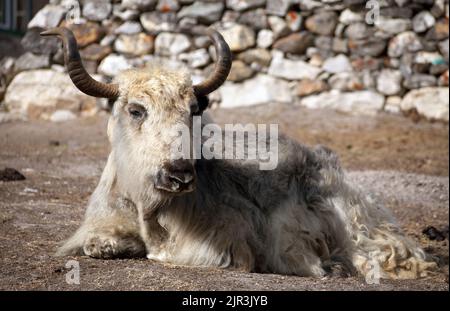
(150,107)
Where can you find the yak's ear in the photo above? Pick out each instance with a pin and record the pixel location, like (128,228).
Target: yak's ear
(203,103)
(111,102)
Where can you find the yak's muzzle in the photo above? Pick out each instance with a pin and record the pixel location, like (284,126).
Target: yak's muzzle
(176,176)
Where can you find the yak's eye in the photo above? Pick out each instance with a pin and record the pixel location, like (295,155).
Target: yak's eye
(137,111)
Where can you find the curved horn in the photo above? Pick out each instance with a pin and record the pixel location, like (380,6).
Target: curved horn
(82,80)
(222,68)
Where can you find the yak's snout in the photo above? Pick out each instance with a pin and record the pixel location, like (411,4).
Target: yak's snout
(176,176)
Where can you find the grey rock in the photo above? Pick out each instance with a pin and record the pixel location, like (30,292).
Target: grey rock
(392,104)
(124,13)
(205,12)
(97,10)
(6,74)
(292,69)
(30,61)
(339,63)
(128,28)
(262,57)
(155,22)
(36,93)
(389,82)
(243,5)
(230,17)
(136,45)
(308,87)
(322,23)
(419,81)
(240,71)
(370,47)
(62,115)
(431,102)
(259,90)
(438,69)
(357,103)
(256,19)
(108,40)
(424,57)
(443,79)
(113,64)
(402,3)
(393,26)
(396,12)
(187,24)
(438,8)
(348,17)
(33,42)
(358,31)
(167,44)
(423,21)
(439,31)
(238,37)
(95,52)
(48,17)
(202,41)
(310,5)
(7,65)
(265,38)
(324,43)
(404,42)
(278,7)
(141,5)
(196,59)
(443,48)
(278,26)
(340,45)
(296,43)
(346,82)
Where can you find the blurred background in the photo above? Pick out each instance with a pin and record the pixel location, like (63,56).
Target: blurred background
(360,57)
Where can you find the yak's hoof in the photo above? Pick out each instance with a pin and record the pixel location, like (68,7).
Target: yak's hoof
(338,269)
(101,247)
(105,247)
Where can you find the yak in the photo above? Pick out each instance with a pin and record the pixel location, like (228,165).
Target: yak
(302,218)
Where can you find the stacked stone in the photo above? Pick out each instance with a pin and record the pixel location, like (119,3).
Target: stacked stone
(340,54)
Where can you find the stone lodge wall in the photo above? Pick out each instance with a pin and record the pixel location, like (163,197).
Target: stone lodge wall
(356,56)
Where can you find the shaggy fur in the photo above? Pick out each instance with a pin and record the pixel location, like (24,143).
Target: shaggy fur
(302,218)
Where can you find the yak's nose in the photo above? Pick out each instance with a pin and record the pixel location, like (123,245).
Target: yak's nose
(176,176)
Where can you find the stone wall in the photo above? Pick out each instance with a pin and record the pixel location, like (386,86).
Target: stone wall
(341,54)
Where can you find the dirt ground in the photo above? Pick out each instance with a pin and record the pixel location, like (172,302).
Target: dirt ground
(404,163)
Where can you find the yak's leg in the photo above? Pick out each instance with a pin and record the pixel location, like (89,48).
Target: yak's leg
(152,234)
(110,228)
(116,235)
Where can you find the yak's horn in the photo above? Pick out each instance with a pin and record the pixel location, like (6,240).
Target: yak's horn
(222,68)
(82,80)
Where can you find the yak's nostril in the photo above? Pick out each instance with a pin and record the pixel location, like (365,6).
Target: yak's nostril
(182,177)
(175,177)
